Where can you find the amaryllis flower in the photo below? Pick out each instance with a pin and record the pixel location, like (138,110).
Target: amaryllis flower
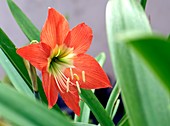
(60,57)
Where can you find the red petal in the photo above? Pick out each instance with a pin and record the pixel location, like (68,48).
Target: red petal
(95,77)
(79,38)
(55,29)
(50,88)
(72,99)
(36,54)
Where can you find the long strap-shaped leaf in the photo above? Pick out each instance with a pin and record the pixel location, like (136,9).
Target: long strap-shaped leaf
(112,99)
(24,111)
(25,24)
(146,101)
(14,76)
(13,65)
(97,109)
(124,121)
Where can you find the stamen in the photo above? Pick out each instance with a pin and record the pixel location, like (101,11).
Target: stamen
(58,85)
(78,87)
(62,82)
(58,52)
(76,76)
(33,42)
(65,79)
(83,76)
(67,83)
(71,73)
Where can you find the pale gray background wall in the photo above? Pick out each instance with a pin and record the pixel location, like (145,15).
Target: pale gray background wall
(92,12)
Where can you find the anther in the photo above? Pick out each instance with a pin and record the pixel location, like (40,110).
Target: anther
(76,76)
(67,83)
(71,73)
(78,87)
(33,42)
(83,76)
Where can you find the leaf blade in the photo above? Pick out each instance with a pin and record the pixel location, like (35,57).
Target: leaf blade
(96,108)
(124,121)
(112,99)
(154,51)
(136,81)
(16,79)
(143,3)
(22,110)
(23,21)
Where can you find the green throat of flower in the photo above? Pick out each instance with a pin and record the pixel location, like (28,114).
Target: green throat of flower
(60,59)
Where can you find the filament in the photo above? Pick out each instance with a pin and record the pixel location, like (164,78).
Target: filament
(71,73)
(83,76)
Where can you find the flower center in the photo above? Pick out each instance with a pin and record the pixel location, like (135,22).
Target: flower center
(60,59)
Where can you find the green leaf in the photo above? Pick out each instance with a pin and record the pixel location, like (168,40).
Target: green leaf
(16,79)
(12,63)
(24,111)
(112,99)
(143,3)
(142,93)
(101,58)
(23,21)
(124,121)
(85,111)
(99,112)
(155,52)
(10,51)
(115,108)
(83,124)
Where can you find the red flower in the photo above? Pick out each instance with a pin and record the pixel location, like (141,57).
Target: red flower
(60,57)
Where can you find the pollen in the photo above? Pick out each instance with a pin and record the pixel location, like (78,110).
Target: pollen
(71,73)
(67,84)
(83,76)
(78,87)
(76,76)
(33,42)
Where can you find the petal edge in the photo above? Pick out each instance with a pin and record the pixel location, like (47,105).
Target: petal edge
(50,88)
(36,54)
(80,38)
(95,77)
(55,28)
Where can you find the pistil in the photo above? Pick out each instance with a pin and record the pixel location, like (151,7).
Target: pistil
(71,73)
